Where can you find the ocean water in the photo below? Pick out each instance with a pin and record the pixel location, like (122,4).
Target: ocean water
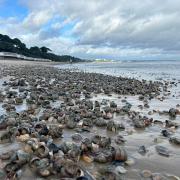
(149,70)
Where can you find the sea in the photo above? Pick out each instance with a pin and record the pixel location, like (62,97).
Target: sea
(147,69)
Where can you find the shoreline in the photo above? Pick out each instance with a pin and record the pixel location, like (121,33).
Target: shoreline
(86,119)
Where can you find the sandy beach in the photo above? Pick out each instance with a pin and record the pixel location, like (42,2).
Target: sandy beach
(60,124)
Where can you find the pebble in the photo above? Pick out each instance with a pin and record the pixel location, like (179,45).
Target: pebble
(87,159)
(130,162)
(146,173)
(23,138)
(121,170)
(162,150)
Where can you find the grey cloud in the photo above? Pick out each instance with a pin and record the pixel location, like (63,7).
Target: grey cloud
(153,25)
(48,34)
(135,24)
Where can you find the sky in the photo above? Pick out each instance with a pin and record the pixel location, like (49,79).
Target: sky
(96,29)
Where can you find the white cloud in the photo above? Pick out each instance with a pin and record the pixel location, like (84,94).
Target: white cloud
(37,19)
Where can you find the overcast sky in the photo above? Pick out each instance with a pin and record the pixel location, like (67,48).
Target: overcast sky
(111,29)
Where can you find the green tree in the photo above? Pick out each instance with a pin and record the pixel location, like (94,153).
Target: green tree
(45,49)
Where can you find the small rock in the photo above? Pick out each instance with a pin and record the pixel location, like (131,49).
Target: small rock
(162,150)
(175,140)
(130,162)
(158,140)
(76,137)
(165,133)
(173,112)
(158,176)
(87,159)
(120,170)
(142,150)
(23,138)
(146,173)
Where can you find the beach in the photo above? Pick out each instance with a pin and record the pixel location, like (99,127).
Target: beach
(89,120)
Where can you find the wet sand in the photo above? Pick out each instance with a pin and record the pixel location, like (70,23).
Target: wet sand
(134,137)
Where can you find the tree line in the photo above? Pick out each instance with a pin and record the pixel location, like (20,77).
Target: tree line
(16,46)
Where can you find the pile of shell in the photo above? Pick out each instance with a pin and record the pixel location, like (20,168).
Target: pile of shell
(41,124)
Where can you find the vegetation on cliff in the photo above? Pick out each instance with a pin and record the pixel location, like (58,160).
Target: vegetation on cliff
(16,46)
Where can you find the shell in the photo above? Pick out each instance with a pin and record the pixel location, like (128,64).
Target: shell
(6,155)
(95,147)
(44,172)
(100,158)
(23,130)
(55,131)
(162,150)
(146,174)
(5,137)
(34,162)
(120,155)
(175,140)
(28,149)
(76,137)
(23,138)
(120,170)
(87,159)
(72,169)
(12,167)
(33,142)
(43,163)
(119,139)
(22,157)
(130,162)
(105,142)
(42,150)
(173,177)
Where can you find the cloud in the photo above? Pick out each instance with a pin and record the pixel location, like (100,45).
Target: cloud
(36,20)
(151,25)
(103,28)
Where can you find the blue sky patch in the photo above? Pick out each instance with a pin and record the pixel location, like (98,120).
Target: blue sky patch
(13,8)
